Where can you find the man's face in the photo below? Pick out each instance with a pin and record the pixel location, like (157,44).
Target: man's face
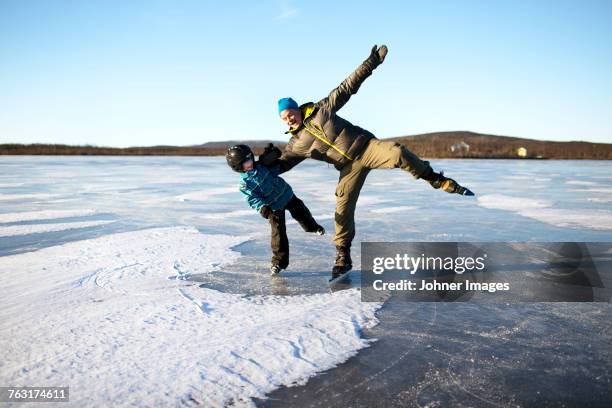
(247,165)
(291,117)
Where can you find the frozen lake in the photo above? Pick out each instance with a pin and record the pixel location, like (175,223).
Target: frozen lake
(119,259)
(517,200)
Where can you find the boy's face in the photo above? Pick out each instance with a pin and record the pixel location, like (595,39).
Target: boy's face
(247,165)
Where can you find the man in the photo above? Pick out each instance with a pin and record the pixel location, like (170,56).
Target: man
(318,133)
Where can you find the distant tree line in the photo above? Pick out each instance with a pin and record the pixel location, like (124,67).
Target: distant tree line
(431,145)
(68,150)
(438,145)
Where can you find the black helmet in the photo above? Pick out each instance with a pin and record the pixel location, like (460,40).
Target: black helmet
(236,155)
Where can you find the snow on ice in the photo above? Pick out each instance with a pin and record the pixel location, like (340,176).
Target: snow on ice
(15,230)
(108,317)
(206,194)
(397,209)
(43,215)
(544,211)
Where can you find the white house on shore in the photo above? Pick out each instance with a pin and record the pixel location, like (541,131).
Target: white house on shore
(460,147)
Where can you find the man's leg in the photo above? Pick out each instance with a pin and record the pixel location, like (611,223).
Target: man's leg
(302,214)
(279,243)
(390,155)
(352,177)
(387,155)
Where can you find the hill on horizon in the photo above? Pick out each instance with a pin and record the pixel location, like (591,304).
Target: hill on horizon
(466,144)
(452,144)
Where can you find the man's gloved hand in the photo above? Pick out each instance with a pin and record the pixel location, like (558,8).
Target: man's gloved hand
(265,211)
(379,52)
(270,154)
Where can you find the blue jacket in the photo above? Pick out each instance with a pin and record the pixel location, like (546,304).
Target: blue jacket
(262,186)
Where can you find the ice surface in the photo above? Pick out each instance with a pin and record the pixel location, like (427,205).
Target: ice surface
(95,308)
(102,316)
(391,210)
(544,211)
(607,191)
(370,200)
(7,185)
(24,197)
(504,202)
(229,214)
(600,200)
(14,230)
(206,194)
(581,183)
(43,215)
(143,192)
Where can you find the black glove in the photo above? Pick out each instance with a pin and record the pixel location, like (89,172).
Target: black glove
(265,211)
(379,52)
(270,155)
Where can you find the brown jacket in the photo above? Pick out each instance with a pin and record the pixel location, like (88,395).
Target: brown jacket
(325,136)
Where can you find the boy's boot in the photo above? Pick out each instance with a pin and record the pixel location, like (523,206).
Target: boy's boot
(343,261)
(438,180)
(275,269)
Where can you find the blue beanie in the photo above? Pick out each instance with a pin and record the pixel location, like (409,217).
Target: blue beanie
(286,103)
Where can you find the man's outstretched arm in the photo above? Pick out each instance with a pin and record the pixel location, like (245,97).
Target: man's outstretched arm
(339,96)
(277,161)
(288,161)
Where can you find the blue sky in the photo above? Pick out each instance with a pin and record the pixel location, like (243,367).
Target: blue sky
(134,73)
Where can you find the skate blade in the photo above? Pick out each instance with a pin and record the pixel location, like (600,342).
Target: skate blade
(466,192)
(452,187)
(340,277)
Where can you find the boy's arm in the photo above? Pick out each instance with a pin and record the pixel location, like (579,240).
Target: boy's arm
(340,96)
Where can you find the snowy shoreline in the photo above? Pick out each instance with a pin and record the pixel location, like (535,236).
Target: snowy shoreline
(107,317)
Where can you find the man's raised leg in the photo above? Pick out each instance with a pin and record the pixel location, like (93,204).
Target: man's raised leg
(388,155)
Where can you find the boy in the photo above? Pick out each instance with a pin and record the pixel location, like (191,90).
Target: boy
(269,194)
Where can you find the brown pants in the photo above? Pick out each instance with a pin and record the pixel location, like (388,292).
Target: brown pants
(377,155)
(280,242)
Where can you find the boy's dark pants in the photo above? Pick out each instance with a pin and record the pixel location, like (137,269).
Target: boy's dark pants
(280,242)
